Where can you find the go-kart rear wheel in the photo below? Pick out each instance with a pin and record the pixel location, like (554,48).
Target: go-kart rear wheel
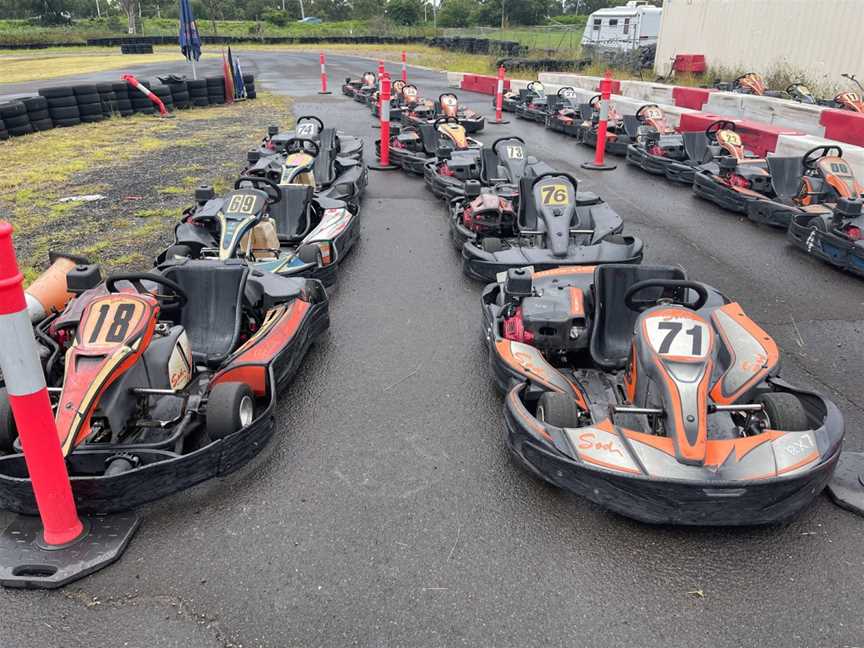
(557,409)
(310,254)
(8,431)
(230,407)
(178,252)
(784,411)
(492,244)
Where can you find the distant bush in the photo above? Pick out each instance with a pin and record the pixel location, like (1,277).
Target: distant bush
(276,17)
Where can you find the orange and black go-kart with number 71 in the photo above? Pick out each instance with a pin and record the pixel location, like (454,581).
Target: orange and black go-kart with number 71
(163,379)
(654,396)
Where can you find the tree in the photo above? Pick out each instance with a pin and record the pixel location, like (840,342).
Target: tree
(404,12)
(364,9)
(458,13)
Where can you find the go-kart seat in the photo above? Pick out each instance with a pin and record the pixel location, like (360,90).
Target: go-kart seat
(614,323)
(586,112)
(489,164)
(324,173)
(631,126)
(528,216)
(213,313)
(786,173)
(429,138)
(289,214)
(696,147)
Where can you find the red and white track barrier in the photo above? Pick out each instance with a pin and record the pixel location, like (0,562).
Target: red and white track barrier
(135,83)
(31,407)
(599,163)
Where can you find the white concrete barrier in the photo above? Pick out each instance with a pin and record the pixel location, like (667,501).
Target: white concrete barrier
(454,79)
(784,113)
(727,104)
(797,145)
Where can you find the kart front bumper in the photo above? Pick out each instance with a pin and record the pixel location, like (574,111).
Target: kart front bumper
(708,187)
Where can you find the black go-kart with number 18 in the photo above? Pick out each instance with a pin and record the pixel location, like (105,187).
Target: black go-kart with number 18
(163,379)
(546,224)
(654,396)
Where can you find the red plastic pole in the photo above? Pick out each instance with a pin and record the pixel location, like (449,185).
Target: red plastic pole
(131,80)
(499,94)
(323,59)
(31,408)
(404,67)
(380,79)
(385,120)
(603,125)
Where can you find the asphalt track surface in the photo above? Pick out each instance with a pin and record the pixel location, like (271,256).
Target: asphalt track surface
(387,513)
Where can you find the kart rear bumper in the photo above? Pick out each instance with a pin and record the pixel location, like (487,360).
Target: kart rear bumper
(485,266)
(446,187)
(833,249)
(665,501)
(706,186)
(769,212)
(653,164)
(680,172)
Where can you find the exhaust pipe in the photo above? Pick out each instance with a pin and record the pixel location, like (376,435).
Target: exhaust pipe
(49,292)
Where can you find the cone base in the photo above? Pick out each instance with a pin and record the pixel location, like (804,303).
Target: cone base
(598,167)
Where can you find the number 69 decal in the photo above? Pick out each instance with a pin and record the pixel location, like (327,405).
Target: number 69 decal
(554,195)
(678,336)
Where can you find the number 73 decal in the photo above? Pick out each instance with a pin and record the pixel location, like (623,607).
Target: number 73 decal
(678,336)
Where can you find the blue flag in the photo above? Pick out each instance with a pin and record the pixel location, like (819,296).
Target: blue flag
(239,86)
(190,40)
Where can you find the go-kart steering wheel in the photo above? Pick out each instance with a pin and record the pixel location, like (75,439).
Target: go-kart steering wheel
(595,100)
(445,120)
(177,297)
(716,127)
(311,118)
(673,290)
(532,85)
(570,88)
(645,107)
(268,186)
(298,145)
(811,158)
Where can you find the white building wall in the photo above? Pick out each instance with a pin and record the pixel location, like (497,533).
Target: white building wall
(822,38)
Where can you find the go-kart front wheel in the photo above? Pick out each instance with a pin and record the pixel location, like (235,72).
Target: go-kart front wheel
(230,407)
(310,254)
(784,411)
(558,409)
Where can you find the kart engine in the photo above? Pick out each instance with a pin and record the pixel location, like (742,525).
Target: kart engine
(490,215)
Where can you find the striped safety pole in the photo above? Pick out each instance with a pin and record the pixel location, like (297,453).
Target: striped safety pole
(599,163)
(131,80)
(31,407)
(322,58)
(384,120)
(380,81)
(499,98)
(404,66)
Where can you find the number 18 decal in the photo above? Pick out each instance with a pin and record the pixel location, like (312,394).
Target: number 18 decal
(678,336)
(111,321)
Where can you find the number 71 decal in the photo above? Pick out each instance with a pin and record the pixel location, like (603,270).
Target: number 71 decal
(678,336)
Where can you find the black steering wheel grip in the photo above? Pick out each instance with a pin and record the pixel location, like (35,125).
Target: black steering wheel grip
(135,278)
(668,285)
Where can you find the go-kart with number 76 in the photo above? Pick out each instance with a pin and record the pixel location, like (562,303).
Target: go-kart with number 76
(160,380)
(654,396)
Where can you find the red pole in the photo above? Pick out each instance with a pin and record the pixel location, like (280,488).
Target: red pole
(322,58)
(404,67)
(31,408)
(380,77)
(599,163)
(499,94)
(385,120)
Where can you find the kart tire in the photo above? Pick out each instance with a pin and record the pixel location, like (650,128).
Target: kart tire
(784,411)
(178,252)
(12,109)
(230,407)
(62,102)
(63,123)
(85,89)
(197,88)
(56,93)
(38,115)
(88,99)
(92,119)
(65,113)
(309,254)
(18,121)
(35,104)
(816,222)
(90,109)
(558,409)
(8,431)
(201,102)
(43,124)
(251,94)
(492,244)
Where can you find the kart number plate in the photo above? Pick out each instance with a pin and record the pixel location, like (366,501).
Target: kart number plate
(554,195)
(111,321)
(678,336)
(307,129)
(515,153)
(243,204)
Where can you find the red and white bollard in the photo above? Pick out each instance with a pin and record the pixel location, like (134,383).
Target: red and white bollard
(499,99)
(404,67)
(599,163)
(384,164)
(135,83)
(322,58)
(36,552)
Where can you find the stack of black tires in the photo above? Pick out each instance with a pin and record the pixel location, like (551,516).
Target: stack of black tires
(179,94)
(62,106)
(249,85)
(89,103)
(136,48)
(215,90)
(198,93)
(164,94)
(38,113)
(15,119)
(121,95)
(140,102)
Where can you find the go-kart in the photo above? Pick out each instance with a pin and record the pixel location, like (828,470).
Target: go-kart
(565,116)
(164,379)
(510,99)
(836,236)
(334,142)
(447,172)
(654,396)
(280,228)
(369,86)
(548,224)
(411,147)
(446,106)
(750,83)
(851,101)
(617,139)
(655,143)
(352,86)
(811,185)
(396,101)
(734,177)
(303,160)
(534,104)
